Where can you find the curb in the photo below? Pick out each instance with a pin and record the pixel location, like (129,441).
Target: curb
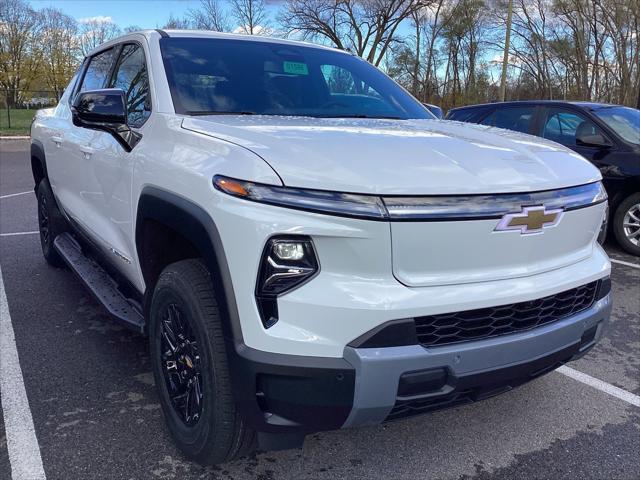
(17,137)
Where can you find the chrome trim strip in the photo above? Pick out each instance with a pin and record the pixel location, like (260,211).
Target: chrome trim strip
(477,207)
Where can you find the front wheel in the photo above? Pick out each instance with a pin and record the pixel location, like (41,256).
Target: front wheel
(626,224)
(190,366)
(51,223)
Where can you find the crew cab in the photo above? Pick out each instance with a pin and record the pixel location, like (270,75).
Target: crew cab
(606,135)
(305,245)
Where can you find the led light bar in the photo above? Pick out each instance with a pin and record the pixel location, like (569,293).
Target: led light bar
(333,203)
(398,208)
(458,207)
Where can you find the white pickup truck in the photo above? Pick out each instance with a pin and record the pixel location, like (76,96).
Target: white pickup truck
(305,245)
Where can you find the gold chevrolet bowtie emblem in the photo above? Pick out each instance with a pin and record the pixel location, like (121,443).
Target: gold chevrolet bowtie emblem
(530,220)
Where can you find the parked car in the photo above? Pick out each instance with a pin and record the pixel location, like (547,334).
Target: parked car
(305,247)
(607,135)
(436,110)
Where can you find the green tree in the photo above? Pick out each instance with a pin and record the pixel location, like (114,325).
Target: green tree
(59,49)
(19,61)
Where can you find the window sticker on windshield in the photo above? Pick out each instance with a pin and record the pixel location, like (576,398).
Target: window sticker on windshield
(296,68)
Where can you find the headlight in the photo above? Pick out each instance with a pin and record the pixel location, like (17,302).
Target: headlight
(333,203)
(602,234)
(287,262)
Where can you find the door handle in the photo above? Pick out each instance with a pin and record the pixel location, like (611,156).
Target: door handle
(86,152)
(57,141)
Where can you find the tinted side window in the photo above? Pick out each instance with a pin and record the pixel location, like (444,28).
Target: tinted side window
(563,126)
(461,115)
(511,118)
(98,71)
(131,77)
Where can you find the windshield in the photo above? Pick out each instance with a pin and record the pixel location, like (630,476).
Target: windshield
(211,76)
(623,120)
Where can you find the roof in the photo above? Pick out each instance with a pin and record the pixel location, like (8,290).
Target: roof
(157,33)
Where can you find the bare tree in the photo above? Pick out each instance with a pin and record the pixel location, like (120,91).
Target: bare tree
(59,48)
(95,31)
(251,15)
(19,28)
(366,27)
(177,23)
(505,56)
(624,44)
(209,16)
(463,35)
(433,25)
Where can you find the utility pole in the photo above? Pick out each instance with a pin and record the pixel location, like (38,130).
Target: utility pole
(505,58)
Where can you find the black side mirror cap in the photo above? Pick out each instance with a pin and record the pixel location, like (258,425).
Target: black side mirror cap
(105,110)
(595,140)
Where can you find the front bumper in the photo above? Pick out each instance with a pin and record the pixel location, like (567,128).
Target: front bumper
(297,394)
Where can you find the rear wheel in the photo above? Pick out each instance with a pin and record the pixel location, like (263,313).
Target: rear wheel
(190,366)
(51,223)
(626,224)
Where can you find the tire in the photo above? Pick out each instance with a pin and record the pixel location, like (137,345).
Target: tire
(184,301)
(626,217)
(51,223)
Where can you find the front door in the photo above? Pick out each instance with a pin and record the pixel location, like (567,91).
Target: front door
(110,169)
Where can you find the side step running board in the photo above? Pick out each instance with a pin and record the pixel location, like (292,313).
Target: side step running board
(99,282)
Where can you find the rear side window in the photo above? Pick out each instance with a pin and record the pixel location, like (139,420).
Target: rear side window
(461,115)
(98,71)
(511,118)
(563,126)
(131,77)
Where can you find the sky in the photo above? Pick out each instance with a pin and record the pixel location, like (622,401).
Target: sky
(142,13)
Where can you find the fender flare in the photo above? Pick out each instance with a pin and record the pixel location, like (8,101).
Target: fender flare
(194,223)
(37,154)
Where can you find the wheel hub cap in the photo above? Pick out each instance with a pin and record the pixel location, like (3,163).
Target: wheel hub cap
(631,224)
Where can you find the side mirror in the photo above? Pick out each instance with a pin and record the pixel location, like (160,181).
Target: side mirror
(595,140)
(105,110)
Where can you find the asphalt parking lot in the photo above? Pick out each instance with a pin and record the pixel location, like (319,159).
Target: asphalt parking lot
(96,415)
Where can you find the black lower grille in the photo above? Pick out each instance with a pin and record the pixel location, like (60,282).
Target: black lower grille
(445,329)
(480,386)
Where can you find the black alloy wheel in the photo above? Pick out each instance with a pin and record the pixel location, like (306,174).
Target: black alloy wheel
(43,218)
(182,366)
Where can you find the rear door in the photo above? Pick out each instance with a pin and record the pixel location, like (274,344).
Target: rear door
(520,118)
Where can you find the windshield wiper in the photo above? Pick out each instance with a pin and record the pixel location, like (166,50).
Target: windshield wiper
(218,112)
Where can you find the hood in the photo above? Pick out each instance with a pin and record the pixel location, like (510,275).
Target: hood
(400,157)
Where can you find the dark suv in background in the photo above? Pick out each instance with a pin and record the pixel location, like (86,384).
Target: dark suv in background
(607,135)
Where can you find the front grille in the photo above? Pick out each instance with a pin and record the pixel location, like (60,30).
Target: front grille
(448,328)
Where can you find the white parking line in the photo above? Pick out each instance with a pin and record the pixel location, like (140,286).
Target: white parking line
(15,194)
(22,444)
(628,264)
(13,234)
(600,385)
